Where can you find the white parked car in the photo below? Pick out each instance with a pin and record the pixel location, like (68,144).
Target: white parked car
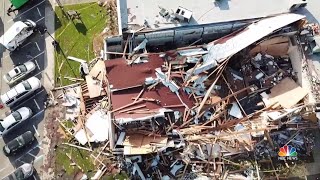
(20,91)
(17,34)
(23,172)
(18,72)
(14,118)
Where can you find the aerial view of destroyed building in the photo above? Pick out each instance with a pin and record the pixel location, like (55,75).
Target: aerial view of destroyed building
(160,89)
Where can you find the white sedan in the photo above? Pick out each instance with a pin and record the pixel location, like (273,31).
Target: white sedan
(18,72)
(20,91)
(14,118)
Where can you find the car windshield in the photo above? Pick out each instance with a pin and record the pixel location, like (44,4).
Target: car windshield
(22,68)
(26,85)
(1,127)
(8,77)
(19,173)
(16,115)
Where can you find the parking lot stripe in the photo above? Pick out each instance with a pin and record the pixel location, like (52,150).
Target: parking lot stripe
(35,101)
(38,55)
(35,129)
(40,19)
(38,113)
(39,11)
(37,64)
(26,11)
(32,155)
(31,97)
(21,161)
(37,46)
(26,45)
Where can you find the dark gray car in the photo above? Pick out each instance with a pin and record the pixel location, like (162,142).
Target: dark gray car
(18,143)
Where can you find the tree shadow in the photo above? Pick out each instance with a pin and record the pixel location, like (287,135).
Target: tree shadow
(81,28)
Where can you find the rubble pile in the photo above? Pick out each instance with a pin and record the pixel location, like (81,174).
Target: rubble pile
(194,112)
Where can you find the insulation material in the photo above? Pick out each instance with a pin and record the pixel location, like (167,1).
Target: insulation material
(97,123)
(229,45)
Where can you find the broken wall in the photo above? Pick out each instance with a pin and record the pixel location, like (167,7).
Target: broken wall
(297,60)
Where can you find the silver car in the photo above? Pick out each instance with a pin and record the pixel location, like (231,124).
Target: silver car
(19,72)
(23,172)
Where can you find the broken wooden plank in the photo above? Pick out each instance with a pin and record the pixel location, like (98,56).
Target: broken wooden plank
(133,108)
(128,105)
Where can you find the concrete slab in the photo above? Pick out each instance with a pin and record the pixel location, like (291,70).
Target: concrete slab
(204,12)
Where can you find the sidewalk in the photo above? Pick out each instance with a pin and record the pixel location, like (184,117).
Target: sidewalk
(68,2)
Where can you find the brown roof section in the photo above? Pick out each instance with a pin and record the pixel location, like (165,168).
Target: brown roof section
(121,75)
(161,93)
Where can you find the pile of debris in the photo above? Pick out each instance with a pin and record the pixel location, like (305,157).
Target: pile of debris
(210,111)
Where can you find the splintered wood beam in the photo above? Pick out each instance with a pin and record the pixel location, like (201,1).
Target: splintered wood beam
(133,108)
(139,95)
(220,71)
(128,105)
(225,80)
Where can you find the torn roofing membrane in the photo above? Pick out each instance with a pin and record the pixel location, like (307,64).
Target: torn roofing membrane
(121,75)
(254,32)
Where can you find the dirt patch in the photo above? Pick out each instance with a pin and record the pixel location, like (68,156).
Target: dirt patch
(52,138)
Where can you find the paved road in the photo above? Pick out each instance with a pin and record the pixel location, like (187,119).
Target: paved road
(34,49)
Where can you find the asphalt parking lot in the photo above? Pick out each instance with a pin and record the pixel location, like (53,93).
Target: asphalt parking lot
(33,49)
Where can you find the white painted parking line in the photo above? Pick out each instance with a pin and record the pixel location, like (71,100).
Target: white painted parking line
(18,159)
(26,45)
(39,11)
(37,46)
(21,161)
(4,168)
(37,113)
(35,129)
(38,55)
(35,101)
(31,97)
(37,64)
(40,19)
(26,11)
(32,155)
(38,158)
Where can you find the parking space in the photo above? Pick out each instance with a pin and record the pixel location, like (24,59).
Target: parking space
(33,50)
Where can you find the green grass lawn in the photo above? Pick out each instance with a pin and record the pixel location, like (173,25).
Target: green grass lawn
(75,38)
(80,157)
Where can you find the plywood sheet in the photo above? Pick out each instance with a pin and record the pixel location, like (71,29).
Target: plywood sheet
(94,87)
(98,70)
(287,93)
(141,144)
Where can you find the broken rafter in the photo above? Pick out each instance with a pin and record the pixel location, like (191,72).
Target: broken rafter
(220,71)
(235,97)
(128,105)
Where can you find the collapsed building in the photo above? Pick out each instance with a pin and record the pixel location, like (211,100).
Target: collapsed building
(226,109)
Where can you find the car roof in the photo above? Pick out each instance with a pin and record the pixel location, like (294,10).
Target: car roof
(12,32)
(24,139)
(34,82)
(8,121)
(19,88)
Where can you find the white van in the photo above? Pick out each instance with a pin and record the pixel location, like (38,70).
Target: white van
(17,34)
